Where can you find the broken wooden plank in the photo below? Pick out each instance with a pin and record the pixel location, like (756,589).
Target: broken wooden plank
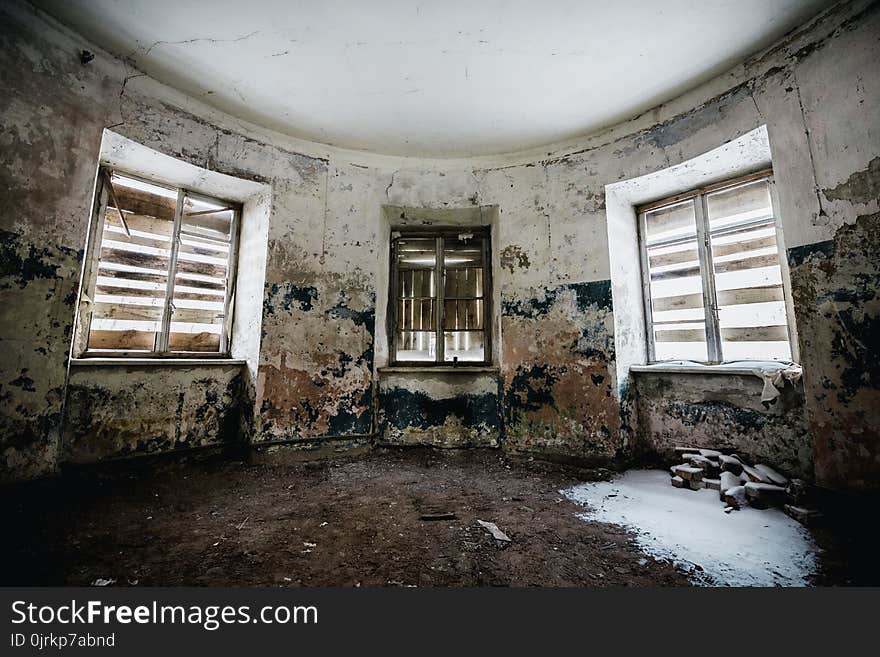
(446,515)
(115,202)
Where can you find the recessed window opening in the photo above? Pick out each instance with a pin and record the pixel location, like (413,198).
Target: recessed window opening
(440,282)
(161,270)
(714,288)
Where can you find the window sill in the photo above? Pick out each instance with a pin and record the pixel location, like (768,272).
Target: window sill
(439,369)
(750,367)
(157,362)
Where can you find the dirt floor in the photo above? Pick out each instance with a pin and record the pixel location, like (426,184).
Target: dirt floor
(345,521)
(348,520)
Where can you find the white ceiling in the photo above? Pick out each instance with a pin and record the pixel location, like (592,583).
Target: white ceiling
(436,79)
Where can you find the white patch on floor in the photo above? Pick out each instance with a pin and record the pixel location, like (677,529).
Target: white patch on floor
(750,547)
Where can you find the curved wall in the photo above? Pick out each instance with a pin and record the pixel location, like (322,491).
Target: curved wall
(557,392)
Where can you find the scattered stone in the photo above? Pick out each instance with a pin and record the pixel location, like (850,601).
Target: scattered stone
(728,480)
(711,453)
(712,484)
(699,461)
(754,475)
(678,482)
(735,497)
(501,539)
(808,517)
(771,474)
(761,495)
(103,582)
(688,472)
(799,492)
(731,464)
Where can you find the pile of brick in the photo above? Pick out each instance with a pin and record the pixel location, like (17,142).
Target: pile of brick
(737,482)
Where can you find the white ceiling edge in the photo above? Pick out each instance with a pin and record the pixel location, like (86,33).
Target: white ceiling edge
(153,88)
(372,77)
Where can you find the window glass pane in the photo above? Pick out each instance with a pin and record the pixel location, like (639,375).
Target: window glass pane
(463,346)
(748,278)
(462,312)
(676,286)
(463,251)
(201,282)
(416,252)
(416,345)
(132,275)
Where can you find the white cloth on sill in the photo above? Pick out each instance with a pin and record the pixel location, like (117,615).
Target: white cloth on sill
(775,379)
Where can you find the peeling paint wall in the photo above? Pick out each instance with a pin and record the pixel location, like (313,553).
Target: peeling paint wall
(559,393)
(725,411)
(559,382)
(837,291)
(117,411)
(443,410)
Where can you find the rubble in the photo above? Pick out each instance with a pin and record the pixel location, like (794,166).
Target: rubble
(771,474)
(762,495)
(728,480)
(738,483)
(808,517)
(754,475)
(735,497)
(688,472)
(731,464)
(502,540)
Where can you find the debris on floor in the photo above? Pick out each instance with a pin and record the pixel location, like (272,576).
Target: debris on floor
(750,548)
(101,581)
(738,483)
(502,540)
(437,516)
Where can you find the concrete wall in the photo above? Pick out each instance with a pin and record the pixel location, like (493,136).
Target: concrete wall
(725,411)
(559,389)
(117,411)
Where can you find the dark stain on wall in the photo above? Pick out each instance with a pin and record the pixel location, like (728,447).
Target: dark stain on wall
(594,293)
(798,255)
(860,187)
(354,416)
(529,390)
(282,297)
(107,417)
(513,256)
(723,411)
(835,291)
(474,417)
(559,400)
(21,263)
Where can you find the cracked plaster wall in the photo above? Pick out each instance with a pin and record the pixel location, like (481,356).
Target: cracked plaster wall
(558,393)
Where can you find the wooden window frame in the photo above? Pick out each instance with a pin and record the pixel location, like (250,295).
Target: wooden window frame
(103,198)
(439,234)
(707,269)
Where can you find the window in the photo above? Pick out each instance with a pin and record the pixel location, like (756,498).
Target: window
(160,271)
(713,279)
(440,283)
